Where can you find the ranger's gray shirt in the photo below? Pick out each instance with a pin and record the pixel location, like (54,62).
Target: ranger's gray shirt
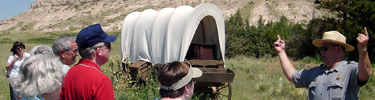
(340,82)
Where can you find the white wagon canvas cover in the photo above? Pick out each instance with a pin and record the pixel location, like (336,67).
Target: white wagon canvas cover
(166,35)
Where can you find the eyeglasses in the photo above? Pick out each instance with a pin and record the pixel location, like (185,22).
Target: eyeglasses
(194,81)
(103,47)
(74,51)
(19,47)
(106,45)
(325,48)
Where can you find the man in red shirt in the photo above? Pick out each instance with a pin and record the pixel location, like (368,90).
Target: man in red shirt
(85,80)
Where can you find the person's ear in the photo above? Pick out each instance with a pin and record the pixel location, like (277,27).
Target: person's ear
(61,52)
(187,90)
(98,50)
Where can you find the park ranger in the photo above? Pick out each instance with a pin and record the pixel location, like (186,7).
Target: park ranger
(337,78)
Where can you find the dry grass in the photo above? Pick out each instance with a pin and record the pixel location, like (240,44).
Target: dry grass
(255,79)
(261,78)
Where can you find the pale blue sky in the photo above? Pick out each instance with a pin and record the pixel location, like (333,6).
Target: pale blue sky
(10,8)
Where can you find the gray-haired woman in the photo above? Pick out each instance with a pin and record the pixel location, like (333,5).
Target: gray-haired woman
(41,49)
(40,77)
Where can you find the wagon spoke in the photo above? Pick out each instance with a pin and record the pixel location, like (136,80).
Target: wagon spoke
(218,97)
(223,95)
(215,97)
(219,88)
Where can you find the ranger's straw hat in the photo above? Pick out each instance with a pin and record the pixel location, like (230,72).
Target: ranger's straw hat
(333,37)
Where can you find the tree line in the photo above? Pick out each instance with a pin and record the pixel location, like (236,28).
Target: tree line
(242,38)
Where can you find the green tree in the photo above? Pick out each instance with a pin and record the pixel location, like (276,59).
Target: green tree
(257,40)
(235,28)
(352,15)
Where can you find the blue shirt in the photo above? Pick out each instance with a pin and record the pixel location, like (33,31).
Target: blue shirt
(340,82)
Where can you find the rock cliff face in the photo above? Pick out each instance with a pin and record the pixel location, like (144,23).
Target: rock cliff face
(42,3)
(73,15)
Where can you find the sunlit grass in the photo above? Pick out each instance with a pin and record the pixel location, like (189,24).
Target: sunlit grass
(262,78)
(255,79)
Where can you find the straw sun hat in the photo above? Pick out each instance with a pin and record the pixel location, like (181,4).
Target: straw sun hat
(333,37)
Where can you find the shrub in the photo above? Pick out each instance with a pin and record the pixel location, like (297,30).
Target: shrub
(257,41)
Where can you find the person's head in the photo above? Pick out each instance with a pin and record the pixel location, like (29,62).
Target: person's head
(332,47)
(94,44)
(18,47)
(100,51)
(66,49)
(176,80)
(41,49)
(39,75)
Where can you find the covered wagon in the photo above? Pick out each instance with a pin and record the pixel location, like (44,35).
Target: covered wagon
(195,35)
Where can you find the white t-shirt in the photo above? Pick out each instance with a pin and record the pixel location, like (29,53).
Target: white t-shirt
(16,65)
(65,69)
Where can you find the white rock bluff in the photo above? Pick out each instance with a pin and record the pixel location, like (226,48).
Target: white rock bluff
(73,15)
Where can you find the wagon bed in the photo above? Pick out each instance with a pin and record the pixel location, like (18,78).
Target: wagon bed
(215,77)
(195,35)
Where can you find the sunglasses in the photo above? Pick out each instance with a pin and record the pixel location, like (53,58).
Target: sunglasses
(19,48)
(325,48)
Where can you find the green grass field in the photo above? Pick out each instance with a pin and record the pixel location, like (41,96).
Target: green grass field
(255,79)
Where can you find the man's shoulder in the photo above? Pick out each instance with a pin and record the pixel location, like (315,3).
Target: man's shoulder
(352,63)
(84,69)
(317,68)
(349,65)
(79,73)
(89,71)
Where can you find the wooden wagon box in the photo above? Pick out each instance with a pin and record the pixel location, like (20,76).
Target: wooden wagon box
(214,72)
(216,75)
(139,70)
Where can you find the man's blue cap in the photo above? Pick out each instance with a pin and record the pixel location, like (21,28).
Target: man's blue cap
(92,35)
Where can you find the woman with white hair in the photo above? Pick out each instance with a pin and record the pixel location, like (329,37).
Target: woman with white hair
(40,77)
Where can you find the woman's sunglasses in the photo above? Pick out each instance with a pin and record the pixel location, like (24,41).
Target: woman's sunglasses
(19,48)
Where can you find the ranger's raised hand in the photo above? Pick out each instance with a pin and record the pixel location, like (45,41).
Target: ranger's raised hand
(364,64)
(279,44)
(362,40)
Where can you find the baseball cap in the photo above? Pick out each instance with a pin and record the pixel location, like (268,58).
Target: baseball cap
(92,35)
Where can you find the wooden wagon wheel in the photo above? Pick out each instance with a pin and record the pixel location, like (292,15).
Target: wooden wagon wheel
(218,93)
